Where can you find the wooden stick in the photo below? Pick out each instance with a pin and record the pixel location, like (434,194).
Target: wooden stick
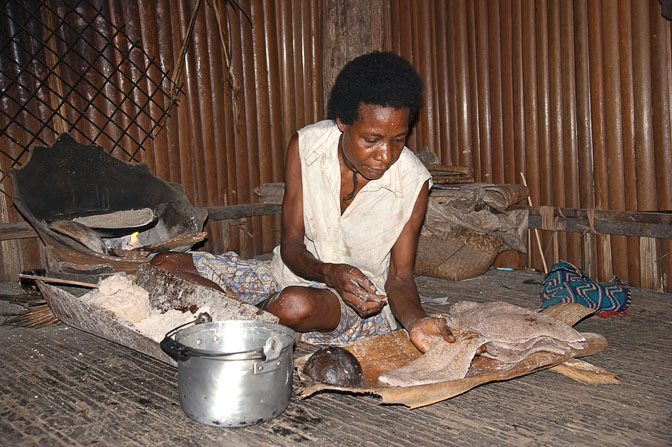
(58,280)
(536,232)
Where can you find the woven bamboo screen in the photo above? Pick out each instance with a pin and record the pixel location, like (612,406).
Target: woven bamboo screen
(575,95)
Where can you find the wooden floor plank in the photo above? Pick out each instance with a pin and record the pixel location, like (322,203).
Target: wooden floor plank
(63,387)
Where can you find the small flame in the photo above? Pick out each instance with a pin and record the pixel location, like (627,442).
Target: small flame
(134,239)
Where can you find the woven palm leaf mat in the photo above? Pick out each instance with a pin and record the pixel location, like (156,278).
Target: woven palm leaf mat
(390,351)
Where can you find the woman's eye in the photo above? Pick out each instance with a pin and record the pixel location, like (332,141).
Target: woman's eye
(370,141)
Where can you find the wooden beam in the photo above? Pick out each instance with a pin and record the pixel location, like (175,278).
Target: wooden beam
(23,230)
(623,223)
(573,220)
(16,230)
(240,211)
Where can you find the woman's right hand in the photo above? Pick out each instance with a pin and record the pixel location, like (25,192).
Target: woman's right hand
(355,288)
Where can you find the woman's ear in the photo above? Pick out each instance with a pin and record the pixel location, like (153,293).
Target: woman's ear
(340,125)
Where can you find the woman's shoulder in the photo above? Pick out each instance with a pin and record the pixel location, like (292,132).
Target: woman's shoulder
(411,164)
(319,127)
(318,138)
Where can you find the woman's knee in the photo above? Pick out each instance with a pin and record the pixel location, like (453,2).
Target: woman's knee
(292,305)
(305,308)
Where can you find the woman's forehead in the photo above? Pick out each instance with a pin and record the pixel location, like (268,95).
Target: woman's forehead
(377,116)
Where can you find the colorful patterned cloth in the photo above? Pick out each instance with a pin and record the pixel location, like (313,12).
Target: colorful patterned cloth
(566,283)
(252,281)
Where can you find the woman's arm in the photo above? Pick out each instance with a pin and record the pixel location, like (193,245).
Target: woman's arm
(402,292)
(353,286)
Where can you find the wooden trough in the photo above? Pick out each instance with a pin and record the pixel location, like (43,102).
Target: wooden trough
(165,291)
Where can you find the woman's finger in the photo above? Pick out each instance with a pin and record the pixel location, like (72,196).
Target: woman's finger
(362,280)
(363,308)
(368,311)
(364,294)
(444,330)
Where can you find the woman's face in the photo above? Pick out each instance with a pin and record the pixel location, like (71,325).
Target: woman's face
(374,141)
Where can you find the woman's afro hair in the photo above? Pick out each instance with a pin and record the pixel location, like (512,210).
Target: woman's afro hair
(378,78)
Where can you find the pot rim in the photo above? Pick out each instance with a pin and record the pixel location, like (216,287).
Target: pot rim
(179,351)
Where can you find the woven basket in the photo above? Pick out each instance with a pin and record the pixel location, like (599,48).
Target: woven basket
(462,254)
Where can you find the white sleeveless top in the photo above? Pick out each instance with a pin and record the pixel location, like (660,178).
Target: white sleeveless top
(364,235)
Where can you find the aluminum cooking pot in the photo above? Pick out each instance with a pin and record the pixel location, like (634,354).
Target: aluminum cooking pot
(232,373)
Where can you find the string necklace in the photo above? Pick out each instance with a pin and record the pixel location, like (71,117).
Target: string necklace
(354,173)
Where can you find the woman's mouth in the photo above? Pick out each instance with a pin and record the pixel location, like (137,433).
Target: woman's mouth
(375,173)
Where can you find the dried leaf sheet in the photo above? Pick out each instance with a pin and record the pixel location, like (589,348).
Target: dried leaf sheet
(507,323)
(391,351)
(444,361)
(585,372)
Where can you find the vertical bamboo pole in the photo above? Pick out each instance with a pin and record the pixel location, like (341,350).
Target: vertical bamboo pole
(570,131)
(289,124)
(54,81)
(156,146)
(628,132)
(584,129)
(506,88)
(518,108)
(245,138)
(556,147)
(472,54)
(613,131)
(495,78)
(165,38)
(263,117)
(529,52)
(137,97)
(661,78)
(443,85)
(424,63)
(205,42)
(417,136)
(464,146)
(297,50)
(605,270)
(180,22)
(482,90)
(643,132)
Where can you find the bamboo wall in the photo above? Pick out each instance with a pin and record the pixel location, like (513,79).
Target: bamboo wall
(576,95)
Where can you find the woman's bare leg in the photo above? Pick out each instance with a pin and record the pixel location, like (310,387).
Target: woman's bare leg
(307,309)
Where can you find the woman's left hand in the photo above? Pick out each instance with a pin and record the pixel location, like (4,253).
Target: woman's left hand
(426,330)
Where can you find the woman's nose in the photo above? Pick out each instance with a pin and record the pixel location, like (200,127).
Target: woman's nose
(384,153)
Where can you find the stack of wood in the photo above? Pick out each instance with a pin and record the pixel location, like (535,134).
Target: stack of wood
(449,175)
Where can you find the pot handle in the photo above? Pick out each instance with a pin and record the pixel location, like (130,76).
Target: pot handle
(272,350)
(272,347)
(177,351)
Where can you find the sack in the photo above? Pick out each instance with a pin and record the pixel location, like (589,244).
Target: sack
(459,254)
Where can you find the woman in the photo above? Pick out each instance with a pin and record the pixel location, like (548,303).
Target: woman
(355,198)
